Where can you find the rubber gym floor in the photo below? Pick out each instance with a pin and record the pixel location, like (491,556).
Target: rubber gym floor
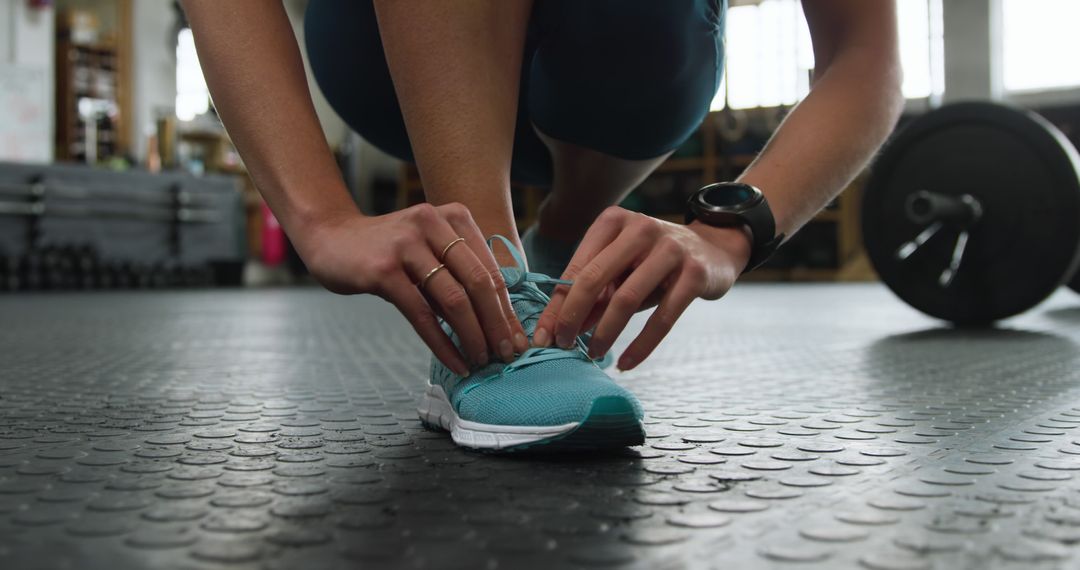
(789,426)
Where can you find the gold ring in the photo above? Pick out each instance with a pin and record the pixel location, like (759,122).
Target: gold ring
(430,274)
(446,249)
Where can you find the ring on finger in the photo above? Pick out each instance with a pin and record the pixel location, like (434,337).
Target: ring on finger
(442,256)
(430,274)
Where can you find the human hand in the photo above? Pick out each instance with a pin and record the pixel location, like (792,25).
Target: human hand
(391,255)
(629,262)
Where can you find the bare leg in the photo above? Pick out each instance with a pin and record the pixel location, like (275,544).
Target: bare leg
(456,68)
(585,182)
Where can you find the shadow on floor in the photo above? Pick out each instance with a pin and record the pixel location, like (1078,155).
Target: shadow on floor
(950,335)
(1065,314)
(967,354)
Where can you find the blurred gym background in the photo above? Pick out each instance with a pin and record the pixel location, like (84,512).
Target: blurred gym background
(115,171)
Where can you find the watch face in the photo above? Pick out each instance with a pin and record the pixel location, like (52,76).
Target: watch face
(728,196)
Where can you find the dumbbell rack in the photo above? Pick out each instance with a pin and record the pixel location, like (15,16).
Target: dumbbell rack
(135,229)
(31,201)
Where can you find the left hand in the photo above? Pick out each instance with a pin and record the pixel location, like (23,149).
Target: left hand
(629,262)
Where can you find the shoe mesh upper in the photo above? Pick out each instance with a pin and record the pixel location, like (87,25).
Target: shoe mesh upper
(541,393)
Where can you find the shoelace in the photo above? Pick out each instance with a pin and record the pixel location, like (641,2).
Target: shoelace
(516,286)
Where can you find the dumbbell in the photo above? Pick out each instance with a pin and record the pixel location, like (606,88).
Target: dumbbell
(123,277)
(30,271)
(143,275)
(162,274)
(66,267)
(12,281)
(6,266)
(86,267)
(971,213)
(103,276)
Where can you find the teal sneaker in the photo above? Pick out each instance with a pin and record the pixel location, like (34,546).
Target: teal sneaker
(548,398)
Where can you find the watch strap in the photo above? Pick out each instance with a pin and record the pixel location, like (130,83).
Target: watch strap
(763,229)
(760,253)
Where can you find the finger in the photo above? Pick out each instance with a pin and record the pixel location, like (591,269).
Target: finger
(449,299)
(629,298)
(609,264)
(482,282)
(520,340)
(480,286)
(598,309)
(542,336)
(671,307)
(599,236)
(407,298)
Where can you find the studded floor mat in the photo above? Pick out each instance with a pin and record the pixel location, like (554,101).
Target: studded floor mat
(788,426)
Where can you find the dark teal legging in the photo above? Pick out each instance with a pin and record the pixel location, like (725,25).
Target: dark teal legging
(629,78)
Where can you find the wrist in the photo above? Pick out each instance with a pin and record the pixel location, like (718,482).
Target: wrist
(735,241)
(309,231)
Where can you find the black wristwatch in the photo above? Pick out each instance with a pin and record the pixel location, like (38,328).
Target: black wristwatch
(731,204)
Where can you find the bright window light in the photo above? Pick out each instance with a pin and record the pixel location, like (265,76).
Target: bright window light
(1038,37)
(192,95)
(770,56)
(922,47)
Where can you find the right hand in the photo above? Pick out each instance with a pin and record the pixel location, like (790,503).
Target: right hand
(389,255)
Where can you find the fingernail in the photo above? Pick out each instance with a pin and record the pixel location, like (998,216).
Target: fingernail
(541,338)
(506,350)
(482,360)
(626,363)
(522,342)
(596,352)
(563,341)
(460,369)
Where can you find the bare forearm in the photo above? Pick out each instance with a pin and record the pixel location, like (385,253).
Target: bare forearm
(827,139)
(253,68)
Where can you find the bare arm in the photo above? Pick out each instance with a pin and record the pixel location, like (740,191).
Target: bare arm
(853,106)
(253,68)
(824,142)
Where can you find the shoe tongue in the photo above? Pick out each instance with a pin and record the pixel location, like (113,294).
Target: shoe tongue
(527,307)
(528,310)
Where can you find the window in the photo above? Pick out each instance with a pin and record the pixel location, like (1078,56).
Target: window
(1037,36)
(922,47)
(192,95)
(770,56)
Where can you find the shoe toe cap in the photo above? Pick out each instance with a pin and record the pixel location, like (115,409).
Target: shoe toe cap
(546,402)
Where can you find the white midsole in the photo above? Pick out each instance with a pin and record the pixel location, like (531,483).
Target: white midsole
(435,409)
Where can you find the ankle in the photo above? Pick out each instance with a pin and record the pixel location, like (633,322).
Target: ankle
(560,223)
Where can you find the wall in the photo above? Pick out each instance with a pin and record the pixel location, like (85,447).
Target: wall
(26,34)
(7,32)
(27,40)
(153,68)
(972,49)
